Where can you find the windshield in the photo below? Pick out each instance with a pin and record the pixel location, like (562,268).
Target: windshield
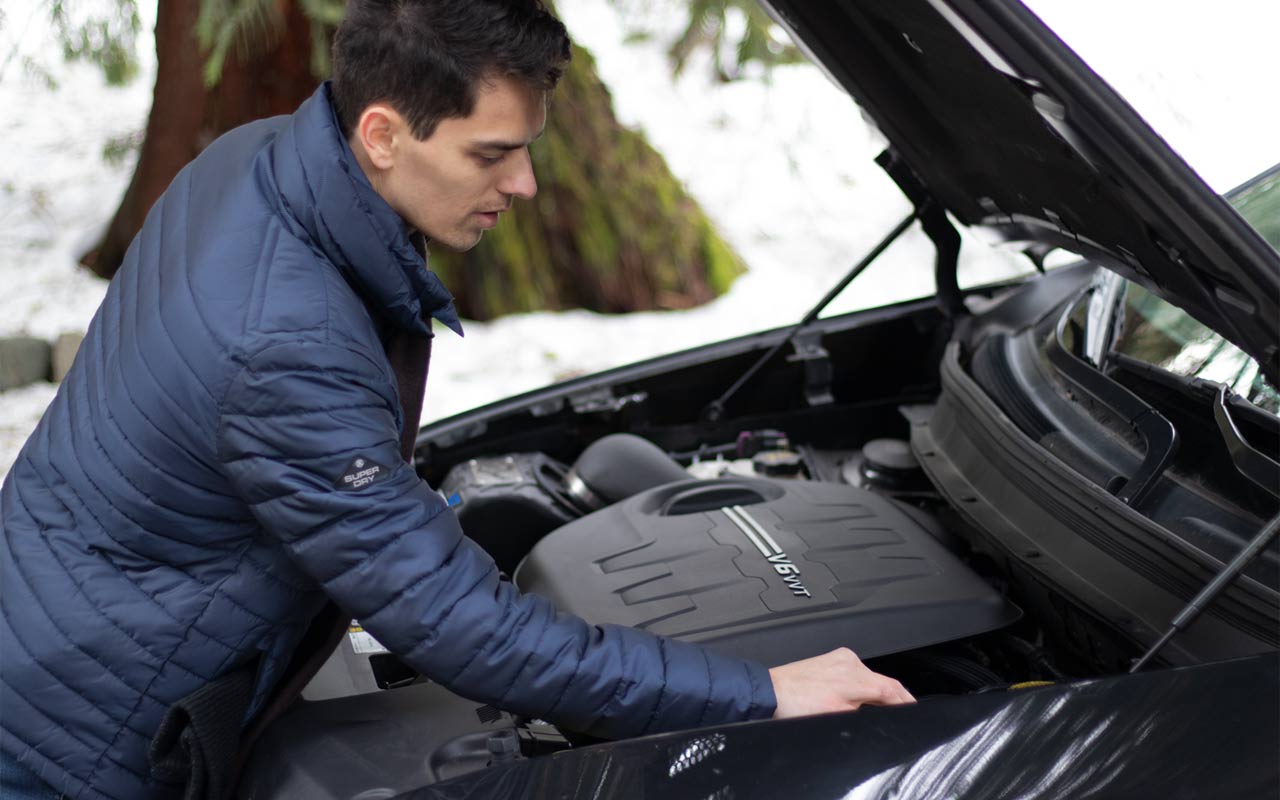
(1158,333)
(1161,334)
(1258,201)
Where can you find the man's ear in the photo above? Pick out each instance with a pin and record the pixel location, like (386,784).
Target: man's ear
(376,131)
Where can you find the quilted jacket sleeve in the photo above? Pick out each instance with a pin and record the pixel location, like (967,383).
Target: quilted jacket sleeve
(390,551)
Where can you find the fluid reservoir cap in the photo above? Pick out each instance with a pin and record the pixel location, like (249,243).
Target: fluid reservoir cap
(890,455)
(777,463)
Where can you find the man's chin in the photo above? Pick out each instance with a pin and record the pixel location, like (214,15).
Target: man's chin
(457,244)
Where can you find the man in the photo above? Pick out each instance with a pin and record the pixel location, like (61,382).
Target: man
(180,513)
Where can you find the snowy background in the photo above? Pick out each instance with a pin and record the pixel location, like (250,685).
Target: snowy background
(783,166)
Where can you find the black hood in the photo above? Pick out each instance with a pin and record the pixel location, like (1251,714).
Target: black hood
(1009,130)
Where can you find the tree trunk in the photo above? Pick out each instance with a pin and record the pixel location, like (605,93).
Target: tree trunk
(610,229)
(268,80)
(173,130)
(186,116)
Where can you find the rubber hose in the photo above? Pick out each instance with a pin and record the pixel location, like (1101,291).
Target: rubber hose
(619,466)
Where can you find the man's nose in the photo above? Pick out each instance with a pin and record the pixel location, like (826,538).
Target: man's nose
(518,181)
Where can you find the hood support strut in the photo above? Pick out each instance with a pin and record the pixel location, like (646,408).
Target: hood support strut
(714,410)
(933,218)
(936,225)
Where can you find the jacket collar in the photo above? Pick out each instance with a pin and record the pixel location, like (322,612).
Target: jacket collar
(327,194)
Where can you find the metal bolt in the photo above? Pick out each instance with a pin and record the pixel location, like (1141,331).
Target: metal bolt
(503,746)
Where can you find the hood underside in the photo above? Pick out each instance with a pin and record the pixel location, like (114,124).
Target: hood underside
(1012,132)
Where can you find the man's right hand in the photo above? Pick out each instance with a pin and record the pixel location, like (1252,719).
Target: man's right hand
(835,681)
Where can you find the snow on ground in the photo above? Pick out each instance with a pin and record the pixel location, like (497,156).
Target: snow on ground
(20,410)
(56,191)
(784,167)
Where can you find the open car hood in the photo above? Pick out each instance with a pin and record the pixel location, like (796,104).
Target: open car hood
(1009,130)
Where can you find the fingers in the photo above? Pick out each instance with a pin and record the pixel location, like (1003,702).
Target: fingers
(836,681)
(882,690)
(891,693)
(877,690)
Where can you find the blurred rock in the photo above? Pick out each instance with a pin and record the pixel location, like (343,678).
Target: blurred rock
(23,360)
(64,352)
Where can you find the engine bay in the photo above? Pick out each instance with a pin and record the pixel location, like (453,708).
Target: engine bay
(848,496)
(747,551)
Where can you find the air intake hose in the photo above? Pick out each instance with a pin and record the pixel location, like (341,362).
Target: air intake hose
(617,467)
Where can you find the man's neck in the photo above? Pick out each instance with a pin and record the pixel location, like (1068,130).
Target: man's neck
(374,177)
(366,165)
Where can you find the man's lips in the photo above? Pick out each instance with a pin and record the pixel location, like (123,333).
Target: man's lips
(489,218)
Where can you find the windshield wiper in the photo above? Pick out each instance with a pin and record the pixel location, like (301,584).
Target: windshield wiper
(1159,436)
(1254,464)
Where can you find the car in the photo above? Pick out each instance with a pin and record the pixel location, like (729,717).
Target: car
(1048,506)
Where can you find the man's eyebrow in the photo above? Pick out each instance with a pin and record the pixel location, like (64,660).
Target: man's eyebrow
(487,144)
(502,144)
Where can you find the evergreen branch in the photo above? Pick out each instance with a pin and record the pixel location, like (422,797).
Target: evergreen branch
(107,39)
(735,34)
(227,27)
(324,16)
(328,13)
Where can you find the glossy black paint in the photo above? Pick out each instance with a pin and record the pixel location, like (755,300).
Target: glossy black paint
(1154,735)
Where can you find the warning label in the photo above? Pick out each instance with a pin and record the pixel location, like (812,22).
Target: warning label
(362,641)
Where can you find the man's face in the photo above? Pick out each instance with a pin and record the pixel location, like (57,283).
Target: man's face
(452,185)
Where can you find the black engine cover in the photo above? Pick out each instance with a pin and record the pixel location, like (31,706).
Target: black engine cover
(768,570)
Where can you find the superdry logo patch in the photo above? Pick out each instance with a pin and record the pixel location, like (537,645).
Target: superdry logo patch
(361,472)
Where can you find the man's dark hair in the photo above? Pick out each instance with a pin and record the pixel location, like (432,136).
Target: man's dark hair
(426,58)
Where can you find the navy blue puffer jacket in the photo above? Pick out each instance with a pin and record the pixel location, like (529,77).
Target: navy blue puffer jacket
(181,509)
